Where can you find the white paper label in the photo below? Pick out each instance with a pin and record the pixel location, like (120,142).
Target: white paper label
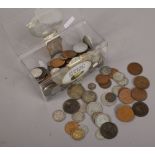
(76,72)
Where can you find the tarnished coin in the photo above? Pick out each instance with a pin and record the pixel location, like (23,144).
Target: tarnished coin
(71,126)
(116,89)
(102,79)
(36,72)
(125,96)
(105,70)
(85,128)
(108,130)
(141,82)
(118,76)
(139,94)
(101,118)
(58,115)
(135,68)
(110,97)
(69,54)
(93,108)
(80,47)
(125,113)
(140,109)
(98,135)
(91,86)
(75,91)
(71,106)
(87,40)
(78,116)
(89,96)
(105,86)
(123,82)
(78,134)
(57,62)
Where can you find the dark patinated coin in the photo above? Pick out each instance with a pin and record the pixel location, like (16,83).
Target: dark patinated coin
(140,109)
(110,97)
(71,106)
(108,130)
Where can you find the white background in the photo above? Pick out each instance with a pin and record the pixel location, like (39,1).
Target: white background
(25,119)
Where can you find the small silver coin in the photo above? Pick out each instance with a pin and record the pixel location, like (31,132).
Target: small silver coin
(78,116)
(91,86)
(98,135)
(105,70)
(80,47)
(58,116)
(94,107)
(118,76)
(89,96)
(116,89)
(87,40)
(123,82)
(36,72)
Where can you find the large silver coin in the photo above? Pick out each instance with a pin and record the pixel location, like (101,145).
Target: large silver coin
(80,47)
(89,96)
(106,102)
(78,116)
(58,115)
(75,91)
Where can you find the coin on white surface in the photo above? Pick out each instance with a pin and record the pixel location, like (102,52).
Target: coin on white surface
(118,76)
(80,47)
(101,118)
(94,107)
(116,89)
(105,102)
(123,82)
(36,72)
(106,70)
(58,115)
(98,135)
(78,116)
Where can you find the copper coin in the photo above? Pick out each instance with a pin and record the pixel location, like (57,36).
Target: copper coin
(141,82)
(139,94)
(110,97)
(71,126)
(57,62)
(107,85)
(134,68)
(69,54)
(125,95)
(113,70)
(102,79)
(125,113)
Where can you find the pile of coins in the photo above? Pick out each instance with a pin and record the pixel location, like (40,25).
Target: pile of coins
(83,101)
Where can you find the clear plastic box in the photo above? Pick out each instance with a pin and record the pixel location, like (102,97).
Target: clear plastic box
(33,51)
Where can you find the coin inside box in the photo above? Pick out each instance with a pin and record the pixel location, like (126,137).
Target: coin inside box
(34,53)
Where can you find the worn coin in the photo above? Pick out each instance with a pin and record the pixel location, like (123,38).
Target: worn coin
(139,94)
(110,97)
(80,47)
(105,86)
(125,113)
(94,107)
(134,68)
(141,82)
(71,106)
(69,54)
(101,118)
(78,116)
(87,40)
(75,91)
(116,89)
(36,72)
(118,76)
(89,96)
(98,135)
(102,79)
(123,82)
(57,62)
(91,86)
(125,96)
(58,115)
(78,134)
(113,70)
(108,130)
(105,70)
(140,109)
(71,126)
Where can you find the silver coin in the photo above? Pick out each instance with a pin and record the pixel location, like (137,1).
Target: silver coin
(123,82)
(78,116)
(36,72)
(106,70)
(118,76)
(98,135)
(91,86)
(116,89)
(105,102)
(101,118)
(80,47)
(87,40)
(75,91)
(58,115)
(93,108)
(89,96)
(85,128)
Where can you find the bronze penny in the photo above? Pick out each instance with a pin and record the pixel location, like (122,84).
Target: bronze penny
(57,62)
(125,96)
(139,94)
(102,79)
(125,113)
(69,54)
(141,82)
(140,109)
(113,70)
(71,126)
(134,68)
(107,85)
(110,97)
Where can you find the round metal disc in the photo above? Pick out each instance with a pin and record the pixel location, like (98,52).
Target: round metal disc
(58,115)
